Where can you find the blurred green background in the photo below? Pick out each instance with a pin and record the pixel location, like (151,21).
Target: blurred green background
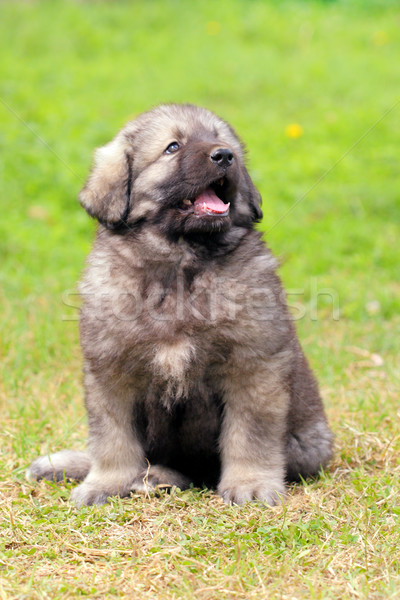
(310,86)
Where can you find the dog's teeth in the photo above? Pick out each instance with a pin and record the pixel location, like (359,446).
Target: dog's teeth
(221,181)
(187,202)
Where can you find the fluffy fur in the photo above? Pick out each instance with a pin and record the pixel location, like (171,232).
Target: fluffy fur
(193,371)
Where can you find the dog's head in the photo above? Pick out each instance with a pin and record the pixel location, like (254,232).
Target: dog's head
(177,166)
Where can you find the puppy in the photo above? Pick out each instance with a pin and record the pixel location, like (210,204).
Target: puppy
(192,368)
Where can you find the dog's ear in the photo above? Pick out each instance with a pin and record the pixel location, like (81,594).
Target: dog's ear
(253,197)
(106,195)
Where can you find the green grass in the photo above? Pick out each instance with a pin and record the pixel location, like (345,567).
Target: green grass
(71,75)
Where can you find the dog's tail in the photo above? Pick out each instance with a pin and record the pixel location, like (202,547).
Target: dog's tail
(68,464)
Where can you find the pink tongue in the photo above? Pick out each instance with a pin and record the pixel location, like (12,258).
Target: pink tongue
(208,201)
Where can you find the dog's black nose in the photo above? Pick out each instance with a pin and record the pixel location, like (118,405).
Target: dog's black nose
(223,157)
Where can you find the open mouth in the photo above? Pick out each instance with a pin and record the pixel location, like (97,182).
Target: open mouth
(210,201)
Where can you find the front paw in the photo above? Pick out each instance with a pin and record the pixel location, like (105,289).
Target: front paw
(87,494)
(97,490)
(239,491)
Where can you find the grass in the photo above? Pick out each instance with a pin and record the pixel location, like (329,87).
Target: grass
(71,75)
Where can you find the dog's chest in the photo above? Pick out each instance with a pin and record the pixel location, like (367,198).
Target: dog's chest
(173,360)
(184,329)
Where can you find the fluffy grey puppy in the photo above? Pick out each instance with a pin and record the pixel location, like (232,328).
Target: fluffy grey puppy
(193,371)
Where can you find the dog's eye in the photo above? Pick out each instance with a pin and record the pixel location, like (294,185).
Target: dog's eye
(173,147)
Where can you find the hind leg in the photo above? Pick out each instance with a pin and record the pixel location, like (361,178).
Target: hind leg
(308,450)
(310,441)
(54,467)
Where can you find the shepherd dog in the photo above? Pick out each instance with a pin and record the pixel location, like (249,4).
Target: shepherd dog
(193,371)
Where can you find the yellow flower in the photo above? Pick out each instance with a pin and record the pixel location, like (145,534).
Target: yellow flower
(213,28)
(294,130)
